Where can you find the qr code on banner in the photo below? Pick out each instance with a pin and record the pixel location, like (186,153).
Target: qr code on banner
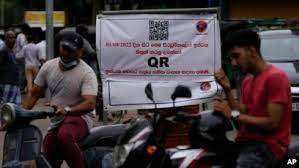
(158,29)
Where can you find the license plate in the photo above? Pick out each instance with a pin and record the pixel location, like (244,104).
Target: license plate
(295,106)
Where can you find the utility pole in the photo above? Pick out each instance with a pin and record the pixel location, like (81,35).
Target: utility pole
(95,8)
(49,29)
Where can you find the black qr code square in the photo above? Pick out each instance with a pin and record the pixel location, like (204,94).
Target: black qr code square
(158,29)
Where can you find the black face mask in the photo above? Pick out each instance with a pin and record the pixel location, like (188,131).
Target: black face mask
(69,64)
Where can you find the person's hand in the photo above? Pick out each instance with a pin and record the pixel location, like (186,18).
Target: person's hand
(222,79)
(58,110)
(220,106)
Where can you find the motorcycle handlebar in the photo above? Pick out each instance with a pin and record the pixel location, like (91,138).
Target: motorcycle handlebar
(37,114)
(185,117)
(50,112)
(33,114)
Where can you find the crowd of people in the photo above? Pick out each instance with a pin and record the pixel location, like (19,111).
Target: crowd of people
(28,54)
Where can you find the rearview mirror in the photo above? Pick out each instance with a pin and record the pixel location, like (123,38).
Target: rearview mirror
(182,92)
(7,114)
(149,91)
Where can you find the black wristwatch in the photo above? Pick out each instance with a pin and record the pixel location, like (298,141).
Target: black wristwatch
(67,110)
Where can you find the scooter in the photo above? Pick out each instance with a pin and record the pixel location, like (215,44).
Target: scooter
(209,146)
(140,145)
(22,143)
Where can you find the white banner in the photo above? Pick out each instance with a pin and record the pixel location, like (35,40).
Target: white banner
(163,49)
(131,95)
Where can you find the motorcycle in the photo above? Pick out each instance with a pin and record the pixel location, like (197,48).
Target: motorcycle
(209,146)
(22,143)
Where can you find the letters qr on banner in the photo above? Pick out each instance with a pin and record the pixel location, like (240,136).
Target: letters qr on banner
(167,50)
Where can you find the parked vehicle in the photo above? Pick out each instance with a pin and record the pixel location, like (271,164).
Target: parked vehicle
(22,143)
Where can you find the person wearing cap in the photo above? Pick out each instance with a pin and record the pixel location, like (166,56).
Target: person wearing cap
(264,111)
(73,89)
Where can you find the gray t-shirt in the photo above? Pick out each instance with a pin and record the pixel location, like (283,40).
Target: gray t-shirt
(30,53)
(67,87)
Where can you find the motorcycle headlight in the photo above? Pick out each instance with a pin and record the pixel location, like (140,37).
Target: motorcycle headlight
(7,114)
(121,153)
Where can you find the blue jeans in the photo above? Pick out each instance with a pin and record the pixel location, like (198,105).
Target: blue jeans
(255,155)
(10,94)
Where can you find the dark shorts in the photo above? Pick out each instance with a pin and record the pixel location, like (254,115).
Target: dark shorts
(255,155)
